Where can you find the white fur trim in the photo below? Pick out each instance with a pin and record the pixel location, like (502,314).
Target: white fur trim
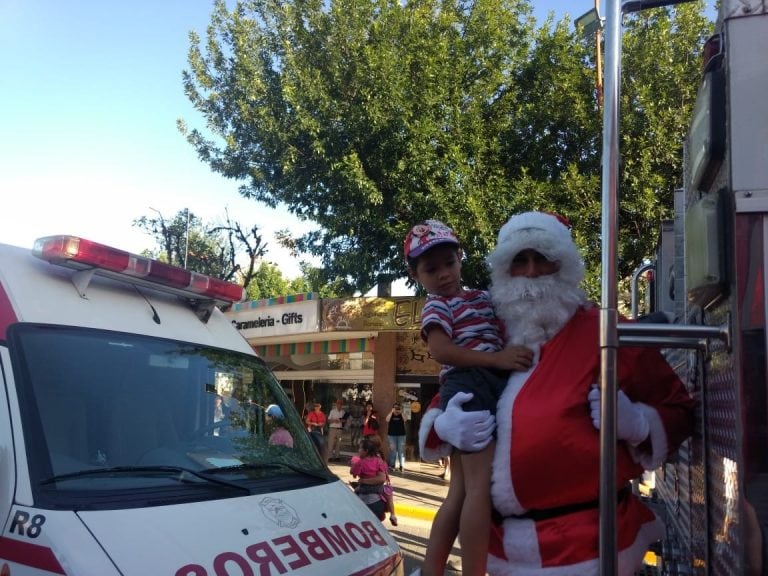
(427,423)
(545,234)
(502,490)
(522,550)
(658,437)
(521,542)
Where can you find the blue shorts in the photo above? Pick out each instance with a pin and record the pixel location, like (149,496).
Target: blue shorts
(486,385)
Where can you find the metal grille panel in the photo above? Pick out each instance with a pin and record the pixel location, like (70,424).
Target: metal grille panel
(723,456)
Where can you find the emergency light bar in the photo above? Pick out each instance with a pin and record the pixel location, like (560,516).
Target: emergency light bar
(80,254)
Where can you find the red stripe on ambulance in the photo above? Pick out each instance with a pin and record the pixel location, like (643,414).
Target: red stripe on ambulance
(291,551)
(7,315)
(28,554)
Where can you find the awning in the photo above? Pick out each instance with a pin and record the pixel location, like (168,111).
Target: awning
(318,347)
(336,376)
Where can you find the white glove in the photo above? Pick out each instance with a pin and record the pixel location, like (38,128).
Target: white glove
(467,431)
(631,423)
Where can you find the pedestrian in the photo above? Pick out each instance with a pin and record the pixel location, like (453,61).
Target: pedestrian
(546,464)
(218,413)
(464,335)
(396,435)
(355,422)
(371,470)
(315,422)
(387,490)
(336,419)
(280,435)
(370,421)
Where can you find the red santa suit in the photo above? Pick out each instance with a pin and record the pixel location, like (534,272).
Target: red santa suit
(545,481)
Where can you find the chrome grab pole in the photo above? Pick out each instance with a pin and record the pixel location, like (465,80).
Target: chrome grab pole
(609,340)
(609,331)
(674,335)
(659,331)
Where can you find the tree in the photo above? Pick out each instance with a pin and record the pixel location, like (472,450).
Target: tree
(662,69)
(315,280)
(559,122)
(368,116)
(553,146)
(227,251)
(268,282)
(362,116)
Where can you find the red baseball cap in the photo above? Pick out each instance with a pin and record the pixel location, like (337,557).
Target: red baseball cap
(426,235)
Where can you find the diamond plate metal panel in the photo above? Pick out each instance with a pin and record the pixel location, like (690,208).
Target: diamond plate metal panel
(722,433)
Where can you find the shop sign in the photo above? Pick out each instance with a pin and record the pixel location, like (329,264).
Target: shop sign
(413,355)
(278,319)
(377,314)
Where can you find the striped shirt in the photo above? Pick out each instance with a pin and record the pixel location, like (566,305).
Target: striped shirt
(468,320)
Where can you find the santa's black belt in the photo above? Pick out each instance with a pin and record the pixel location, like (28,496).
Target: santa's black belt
(548,513)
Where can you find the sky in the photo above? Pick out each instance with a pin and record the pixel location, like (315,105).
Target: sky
(91,91)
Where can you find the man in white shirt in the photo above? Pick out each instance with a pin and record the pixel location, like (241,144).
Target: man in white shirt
(335,428)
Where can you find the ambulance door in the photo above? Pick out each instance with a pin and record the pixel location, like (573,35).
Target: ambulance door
(7,456)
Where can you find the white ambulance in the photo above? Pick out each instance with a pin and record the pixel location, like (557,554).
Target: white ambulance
(134,438)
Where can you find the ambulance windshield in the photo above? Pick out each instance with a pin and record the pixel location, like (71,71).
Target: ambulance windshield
(105,411)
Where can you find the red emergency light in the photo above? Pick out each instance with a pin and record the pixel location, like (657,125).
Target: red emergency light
(82,254)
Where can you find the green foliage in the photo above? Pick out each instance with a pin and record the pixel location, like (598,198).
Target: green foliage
(316,280)
(268,282)
(366,116)
(660,81)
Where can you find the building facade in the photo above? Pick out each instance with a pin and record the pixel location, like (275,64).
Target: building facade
(358,349)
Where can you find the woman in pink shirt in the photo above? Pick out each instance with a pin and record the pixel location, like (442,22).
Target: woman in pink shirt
(371,470)
(280,436)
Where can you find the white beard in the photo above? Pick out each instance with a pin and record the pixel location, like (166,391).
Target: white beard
(533,309)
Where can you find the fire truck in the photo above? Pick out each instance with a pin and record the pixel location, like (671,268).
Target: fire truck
(709,277)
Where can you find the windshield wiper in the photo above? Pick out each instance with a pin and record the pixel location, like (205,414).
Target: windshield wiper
(267,465)
(167,471)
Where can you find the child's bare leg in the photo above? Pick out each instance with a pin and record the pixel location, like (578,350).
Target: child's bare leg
(445,526)
(391,509)
(475,525)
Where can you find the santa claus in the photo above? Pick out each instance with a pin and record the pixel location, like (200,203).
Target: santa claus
(545,479)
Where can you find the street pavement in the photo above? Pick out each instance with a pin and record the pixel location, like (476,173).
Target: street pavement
(419,491)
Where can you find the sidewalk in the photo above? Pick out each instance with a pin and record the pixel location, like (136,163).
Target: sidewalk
(419,490)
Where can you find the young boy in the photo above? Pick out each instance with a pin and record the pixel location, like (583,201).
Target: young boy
(463,334)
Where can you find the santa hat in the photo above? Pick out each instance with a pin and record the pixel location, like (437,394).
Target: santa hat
(547,234)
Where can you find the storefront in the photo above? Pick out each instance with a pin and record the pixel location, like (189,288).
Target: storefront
(357,349)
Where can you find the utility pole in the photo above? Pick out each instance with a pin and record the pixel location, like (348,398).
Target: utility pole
(591,23)
(599,58)
(186,241)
